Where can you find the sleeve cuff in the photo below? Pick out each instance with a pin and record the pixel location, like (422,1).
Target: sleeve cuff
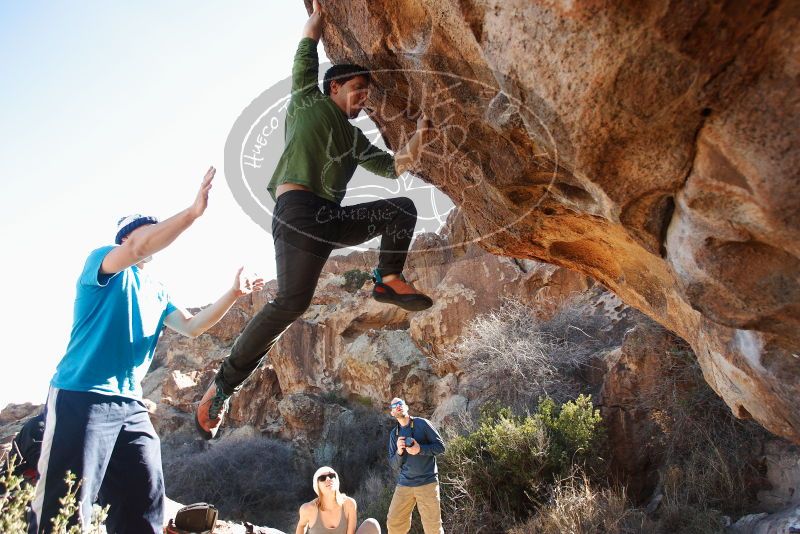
(309,42)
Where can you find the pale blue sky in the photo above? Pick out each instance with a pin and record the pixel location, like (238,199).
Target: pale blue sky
(110,108)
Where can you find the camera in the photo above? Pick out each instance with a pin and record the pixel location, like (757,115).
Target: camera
(409,442)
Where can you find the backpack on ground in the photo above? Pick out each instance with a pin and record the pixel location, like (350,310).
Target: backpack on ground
(197,518)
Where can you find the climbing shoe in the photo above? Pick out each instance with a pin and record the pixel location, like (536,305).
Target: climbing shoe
(400,293)
(211,411)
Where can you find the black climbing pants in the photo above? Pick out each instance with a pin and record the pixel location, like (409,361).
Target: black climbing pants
(306,229)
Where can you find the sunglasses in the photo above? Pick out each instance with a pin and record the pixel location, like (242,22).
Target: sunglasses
(323,478)
(395,405)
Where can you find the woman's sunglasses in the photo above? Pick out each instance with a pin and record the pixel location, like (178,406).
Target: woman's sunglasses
(323,478)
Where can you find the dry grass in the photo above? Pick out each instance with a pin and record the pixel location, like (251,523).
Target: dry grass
(375,495)
(708,456)
(514,357)
(688,497)
(578,507)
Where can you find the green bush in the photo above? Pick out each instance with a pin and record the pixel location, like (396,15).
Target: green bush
(575,432)
(505,468)
(18,493)
(354,279)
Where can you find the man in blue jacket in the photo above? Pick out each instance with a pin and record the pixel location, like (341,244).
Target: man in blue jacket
(413,446)
(96,425)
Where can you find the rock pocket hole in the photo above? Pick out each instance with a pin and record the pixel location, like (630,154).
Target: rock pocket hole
(574,193)
(742,412)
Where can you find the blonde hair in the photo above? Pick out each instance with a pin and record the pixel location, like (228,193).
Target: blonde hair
(315,483)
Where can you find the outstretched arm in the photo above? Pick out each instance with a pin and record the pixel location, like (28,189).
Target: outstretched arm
(155,237)
(408,156)
(305,69)
(190,325)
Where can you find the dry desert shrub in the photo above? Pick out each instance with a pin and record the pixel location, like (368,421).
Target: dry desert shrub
(688,498)
(246,478)
(577,506)
(514,357)
(709,457)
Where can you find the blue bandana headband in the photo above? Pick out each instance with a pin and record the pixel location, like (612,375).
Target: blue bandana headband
(128,224)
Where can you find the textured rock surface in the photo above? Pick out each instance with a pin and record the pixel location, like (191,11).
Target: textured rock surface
(631,370)
(12,417)
(784,522)
(783,473)
(349,347)
(348,351)
(15,412)
(653,146)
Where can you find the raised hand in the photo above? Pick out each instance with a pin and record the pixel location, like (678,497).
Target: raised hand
(313,27)
(200,203)
(423,122)
(244,285)
(424,127)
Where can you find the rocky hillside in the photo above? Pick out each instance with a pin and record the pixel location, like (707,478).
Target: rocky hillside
(337,367)
(348,355)
(631,166)
(350,347)
(654,146)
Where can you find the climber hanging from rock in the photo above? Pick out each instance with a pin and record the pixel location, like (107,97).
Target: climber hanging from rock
(321,154)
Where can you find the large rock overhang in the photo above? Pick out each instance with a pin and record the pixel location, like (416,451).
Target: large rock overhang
(653,146)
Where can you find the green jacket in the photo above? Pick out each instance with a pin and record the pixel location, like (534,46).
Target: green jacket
(322,147)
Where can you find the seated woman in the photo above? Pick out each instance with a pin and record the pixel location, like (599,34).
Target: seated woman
(332,512)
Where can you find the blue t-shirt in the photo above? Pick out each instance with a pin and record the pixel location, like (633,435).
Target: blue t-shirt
(117,320)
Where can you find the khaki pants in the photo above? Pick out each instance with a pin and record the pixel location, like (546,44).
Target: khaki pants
(426,498)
